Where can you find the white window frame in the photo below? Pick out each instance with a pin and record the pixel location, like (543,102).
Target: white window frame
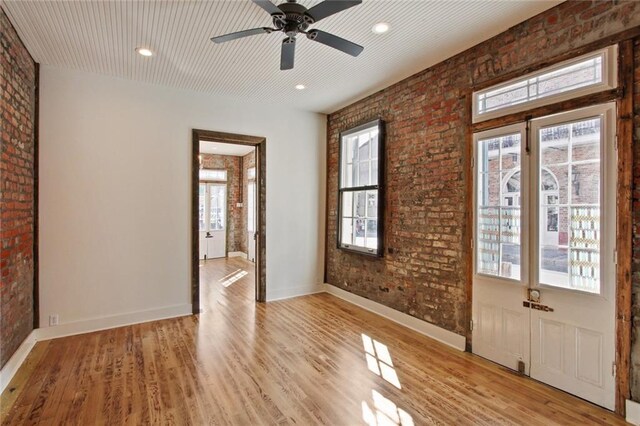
(212,175)
(524,203)
(609,81)
(377,188)
(529,218)
(608,195)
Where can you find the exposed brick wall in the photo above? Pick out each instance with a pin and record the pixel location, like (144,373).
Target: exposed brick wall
(234,213)
(248,161)
(17,124)
(425,275)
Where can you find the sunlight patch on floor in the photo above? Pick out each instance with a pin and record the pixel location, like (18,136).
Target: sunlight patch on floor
(379,360)
(233,277)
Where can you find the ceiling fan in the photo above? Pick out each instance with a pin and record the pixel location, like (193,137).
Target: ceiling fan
(292,19)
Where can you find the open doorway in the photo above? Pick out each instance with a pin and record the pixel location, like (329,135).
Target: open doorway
(228,215)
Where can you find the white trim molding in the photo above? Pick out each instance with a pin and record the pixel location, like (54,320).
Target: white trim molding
(288,293)
(447,337)
(633,412)
(81,327)
(16,360)
(105,323)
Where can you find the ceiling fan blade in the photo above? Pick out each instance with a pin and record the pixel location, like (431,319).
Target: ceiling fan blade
(241,34)
(269,7)
(330,7)
(288,53)
(336,42)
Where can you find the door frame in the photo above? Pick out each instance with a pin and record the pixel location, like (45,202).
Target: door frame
(259,143)
(623,96)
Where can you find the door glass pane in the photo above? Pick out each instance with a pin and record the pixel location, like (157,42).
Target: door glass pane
(217,207)
(498,206)
(251,207)
(569,205)
(201,206)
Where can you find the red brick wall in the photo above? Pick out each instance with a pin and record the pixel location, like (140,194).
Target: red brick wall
(248,161)
(18,92)
(234,213)
(425,275)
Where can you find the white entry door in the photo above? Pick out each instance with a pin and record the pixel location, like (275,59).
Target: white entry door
(212,220)
(251,221)
(562,327)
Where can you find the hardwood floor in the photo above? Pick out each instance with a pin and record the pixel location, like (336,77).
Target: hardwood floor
(309,360)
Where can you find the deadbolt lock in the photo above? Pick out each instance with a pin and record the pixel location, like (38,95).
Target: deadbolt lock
(533,295)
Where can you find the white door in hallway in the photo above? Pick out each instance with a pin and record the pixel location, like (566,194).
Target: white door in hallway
(544,272)
(251,220)
(212,217)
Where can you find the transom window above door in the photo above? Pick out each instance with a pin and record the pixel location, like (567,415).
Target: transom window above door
(591,73)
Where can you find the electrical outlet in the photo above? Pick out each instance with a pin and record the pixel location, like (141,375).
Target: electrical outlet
(53,319)
(238,204)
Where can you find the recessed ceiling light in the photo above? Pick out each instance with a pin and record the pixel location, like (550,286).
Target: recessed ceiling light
(144,51)
(380,28)
(300,86)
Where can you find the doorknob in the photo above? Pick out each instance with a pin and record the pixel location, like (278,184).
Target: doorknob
(533,295)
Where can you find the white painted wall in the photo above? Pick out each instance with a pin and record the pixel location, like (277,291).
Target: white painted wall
(115,164)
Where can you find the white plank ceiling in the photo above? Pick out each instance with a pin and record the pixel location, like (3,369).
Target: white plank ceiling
(100,37)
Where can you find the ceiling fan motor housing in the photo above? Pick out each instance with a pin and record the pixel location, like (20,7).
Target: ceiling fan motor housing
(293,19)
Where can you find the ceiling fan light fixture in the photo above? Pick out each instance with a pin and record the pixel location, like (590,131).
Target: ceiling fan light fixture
(300,86)
(380,28)
(144,51)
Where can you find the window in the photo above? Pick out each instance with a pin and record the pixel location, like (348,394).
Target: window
(498,203)
(361,168)
(211,174)
(212,198)
(580,76)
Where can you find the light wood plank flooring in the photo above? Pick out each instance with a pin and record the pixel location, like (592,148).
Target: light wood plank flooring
(301,361)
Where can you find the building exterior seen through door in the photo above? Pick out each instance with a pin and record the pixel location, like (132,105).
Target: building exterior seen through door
(212,219)
(544,250)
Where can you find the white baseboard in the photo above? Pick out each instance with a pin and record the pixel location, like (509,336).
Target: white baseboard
(237,254)
(433,331)
(288,293)
(633,412)
(16,360)
(80,327)
(104,323)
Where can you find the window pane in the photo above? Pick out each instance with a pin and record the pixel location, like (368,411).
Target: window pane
(217,207)
(586,72)
(363,173)
(364,144)
(372,234)
(209,174)
(374,144)
(372,203)
(347,231)
(569,207)
(360,204)
(374,172)
(201,207)
(498,177)
(347,204)
(251,173)
(359,231)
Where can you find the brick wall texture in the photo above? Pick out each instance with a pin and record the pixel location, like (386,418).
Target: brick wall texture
(234,195)
(18,93)
(424,269)
(248,161)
